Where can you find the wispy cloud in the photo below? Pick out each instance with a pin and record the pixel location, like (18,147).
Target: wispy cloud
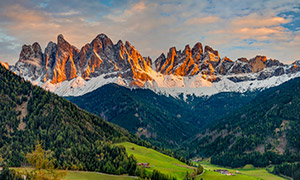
(202,20)
(235,28)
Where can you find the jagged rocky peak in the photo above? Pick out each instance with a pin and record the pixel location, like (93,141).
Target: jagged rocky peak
(172,52)
(120,43)
(211,50)
(211,60)
(187,50)
(31,54)
(225,65)
(197,51)
(122,62)
(226,59)
(59,61)
(61,39)
(49,55)
(102,42)
(30,61)
(242,59)
(159,62)
(180,63)
(64,45)
(101,56)
(258,63)
(4,64)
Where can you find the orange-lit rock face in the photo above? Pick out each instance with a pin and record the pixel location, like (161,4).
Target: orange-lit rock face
(188,65)
(211,56)
(4,65)
(189,62)
(181,64)
(64,67)
(102,56)
(226,59)
(258,63)
(63,61)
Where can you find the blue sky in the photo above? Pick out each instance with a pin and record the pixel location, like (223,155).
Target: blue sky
(235,28)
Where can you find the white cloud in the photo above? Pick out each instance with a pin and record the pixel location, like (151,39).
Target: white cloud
(154,26)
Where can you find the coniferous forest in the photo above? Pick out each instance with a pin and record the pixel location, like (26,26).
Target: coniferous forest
(79,140)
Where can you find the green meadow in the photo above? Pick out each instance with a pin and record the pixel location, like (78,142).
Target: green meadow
(158,161)
(247,173)
(173,167)
(86,175)
(81,175)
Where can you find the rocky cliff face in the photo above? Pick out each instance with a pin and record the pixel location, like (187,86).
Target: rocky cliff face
(101,56)
(179,63)
(62,61)
(121,63)
(210,66)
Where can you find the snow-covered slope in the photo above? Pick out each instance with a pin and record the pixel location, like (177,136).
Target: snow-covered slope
(67,71)
(169,84)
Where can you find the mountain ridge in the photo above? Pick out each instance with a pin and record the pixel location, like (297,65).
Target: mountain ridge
(68,71)
(164,121)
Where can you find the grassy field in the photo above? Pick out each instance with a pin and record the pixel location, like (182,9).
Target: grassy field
(80,175)
(247,173)
(173,167)
(159,161)
(85,175)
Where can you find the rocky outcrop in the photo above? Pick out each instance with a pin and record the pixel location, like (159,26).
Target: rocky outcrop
(4,65)
(102,56)
(30,61)
(179,63)
(224,66)
(62,61)
(62,67)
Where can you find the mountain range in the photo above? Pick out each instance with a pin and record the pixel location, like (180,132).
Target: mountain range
(68,71)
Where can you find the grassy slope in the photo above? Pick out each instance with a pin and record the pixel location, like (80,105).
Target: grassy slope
(247,174)
(80,175)
(161,162)
(86,175)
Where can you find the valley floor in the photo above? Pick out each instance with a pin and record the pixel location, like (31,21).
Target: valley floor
(209,174)
(81,175)
(87,175)
(173,167)
(249,173)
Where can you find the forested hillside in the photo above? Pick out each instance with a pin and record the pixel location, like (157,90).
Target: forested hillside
(164,121)
(264,131)
(79,140)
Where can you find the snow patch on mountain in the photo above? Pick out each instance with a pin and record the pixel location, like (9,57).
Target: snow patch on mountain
(68,71)
(78,86)
(169,85)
